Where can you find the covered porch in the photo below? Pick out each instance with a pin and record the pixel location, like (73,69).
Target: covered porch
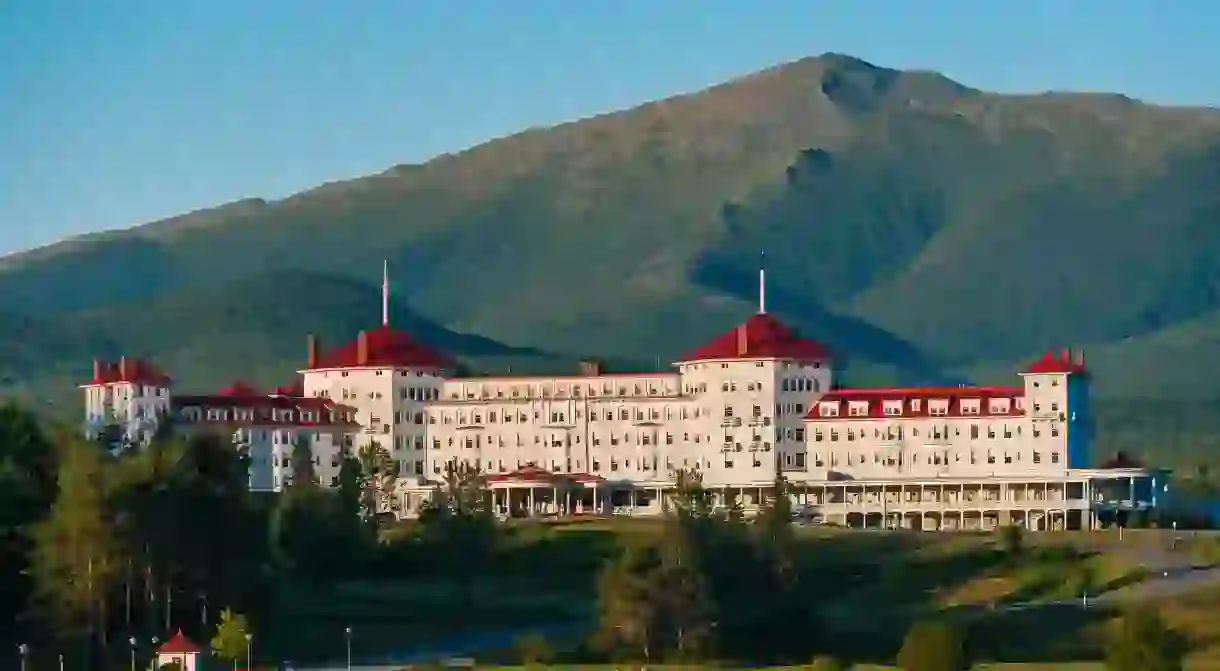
(532,491)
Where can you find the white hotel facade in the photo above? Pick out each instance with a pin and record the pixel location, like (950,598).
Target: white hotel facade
(754,402)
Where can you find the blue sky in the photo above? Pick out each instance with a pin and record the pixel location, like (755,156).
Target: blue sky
(121,112)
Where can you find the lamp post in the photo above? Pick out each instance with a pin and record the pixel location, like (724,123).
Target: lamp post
(347,631)
(132,641)
(249,643)
(24,651)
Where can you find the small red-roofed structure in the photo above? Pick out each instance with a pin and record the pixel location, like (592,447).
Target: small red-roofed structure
(180,650)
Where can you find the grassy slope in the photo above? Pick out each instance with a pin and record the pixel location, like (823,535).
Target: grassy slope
(910,573)
(909,222)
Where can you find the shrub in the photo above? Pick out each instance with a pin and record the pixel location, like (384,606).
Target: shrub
(933,646)
(1012,539)
(1140,641)
(534,649)
(826,663)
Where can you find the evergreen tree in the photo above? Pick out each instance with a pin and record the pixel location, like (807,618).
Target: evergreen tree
(303,472)
(27,489)
(77,559)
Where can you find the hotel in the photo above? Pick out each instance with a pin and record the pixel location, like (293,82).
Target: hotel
(752,403)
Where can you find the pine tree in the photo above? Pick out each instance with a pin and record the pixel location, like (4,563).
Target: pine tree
(303,472)
(77,559)
(27,489)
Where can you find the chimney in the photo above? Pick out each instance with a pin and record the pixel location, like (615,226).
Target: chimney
(123,368)
(311,351)
(362,349)
(1081,355)
(590,368)
(1065,355)
(743,340)
(97,370)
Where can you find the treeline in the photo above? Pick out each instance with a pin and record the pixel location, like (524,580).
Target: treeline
(101,549)
(104,549)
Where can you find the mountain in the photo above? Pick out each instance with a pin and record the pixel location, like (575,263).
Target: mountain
(253,328)
(925,230)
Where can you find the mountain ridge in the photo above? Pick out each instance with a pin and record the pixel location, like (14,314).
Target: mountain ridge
(911,222)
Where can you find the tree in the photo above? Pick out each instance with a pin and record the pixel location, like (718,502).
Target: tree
(314,536)
(654,602)
(773,529)
(1140,641)
(785,625)
(230,640)
(933,646)
(458,515)
(1012,537)
(27,489)
(379,473)
(76,557)
(535,649)
(303,472)
(625,616)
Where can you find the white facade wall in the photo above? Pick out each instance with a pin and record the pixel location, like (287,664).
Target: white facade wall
(133,406)
(271,449)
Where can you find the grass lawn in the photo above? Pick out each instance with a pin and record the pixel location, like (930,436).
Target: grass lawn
(550,575)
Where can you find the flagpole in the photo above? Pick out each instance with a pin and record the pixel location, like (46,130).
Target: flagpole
(385,293)
(762,282)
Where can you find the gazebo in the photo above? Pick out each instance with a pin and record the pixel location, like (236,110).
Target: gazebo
(533,491)
(180,650)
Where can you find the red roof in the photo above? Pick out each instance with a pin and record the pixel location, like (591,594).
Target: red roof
(178,644)
(239,389)
(954,395)
(294,388)
(762,336)
(537,474)
(383,347)
(525,474)
(1049,363)
(126,370)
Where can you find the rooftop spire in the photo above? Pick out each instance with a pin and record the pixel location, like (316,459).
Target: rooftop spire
(762,282)
(385,293)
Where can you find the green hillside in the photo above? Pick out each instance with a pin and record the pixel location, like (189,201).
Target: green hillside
(253,329)
(922,229)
